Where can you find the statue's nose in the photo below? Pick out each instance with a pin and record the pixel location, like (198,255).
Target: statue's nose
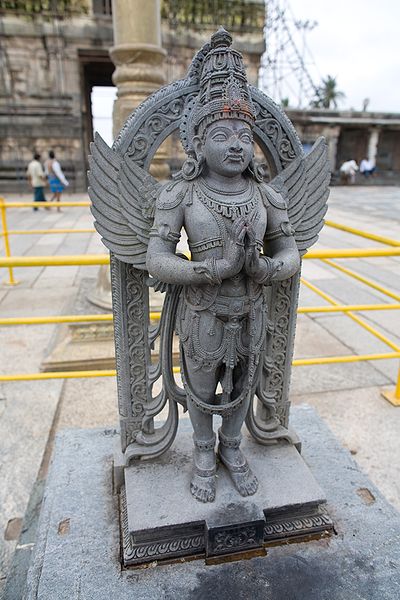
(235,144)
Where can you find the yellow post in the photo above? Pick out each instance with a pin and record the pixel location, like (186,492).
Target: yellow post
(393,395)
(6,241)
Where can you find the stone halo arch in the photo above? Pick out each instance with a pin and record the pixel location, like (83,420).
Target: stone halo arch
(160,115)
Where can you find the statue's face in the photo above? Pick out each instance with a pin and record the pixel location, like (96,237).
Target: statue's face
(228,147)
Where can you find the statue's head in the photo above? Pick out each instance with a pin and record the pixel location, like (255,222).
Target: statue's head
(218,122)
(226,146)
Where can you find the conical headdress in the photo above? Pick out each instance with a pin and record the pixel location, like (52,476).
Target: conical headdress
(224,92)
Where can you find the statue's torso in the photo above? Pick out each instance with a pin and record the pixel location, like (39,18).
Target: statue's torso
(208,219)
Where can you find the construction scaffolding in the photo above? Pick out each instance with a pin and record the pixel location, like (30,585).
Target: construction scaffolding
(285,72)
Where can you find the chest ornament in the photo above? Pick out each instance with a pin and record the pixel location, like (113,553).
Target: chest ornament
(229,205)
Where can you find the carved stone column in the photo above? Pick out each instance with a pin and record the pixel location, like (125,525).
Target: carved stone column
(373,144)
(139,60)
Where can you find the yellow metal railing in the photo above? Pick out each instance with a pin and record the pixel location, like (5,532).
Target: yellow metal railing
(365,234)
(325,256)
(104,259)
(5,233)
(11,280)
(155,315)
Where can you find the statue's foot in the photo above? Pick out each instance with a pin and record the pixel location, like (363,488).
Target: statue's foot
(202,485)
(239,470)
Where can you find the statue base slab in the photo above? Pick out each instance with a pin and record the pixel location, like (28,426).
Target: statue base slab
(76,551)
(168,523)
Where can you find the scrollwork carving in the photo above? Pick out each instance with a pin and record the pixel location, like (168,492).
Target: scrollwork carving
(226,541)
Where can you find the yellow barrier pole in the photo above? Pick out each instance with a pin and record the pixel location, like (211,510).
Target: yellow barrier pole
(11,280)
(363,279)
(155,315)
(352,316)
(345,308)
(44,231)
(365,234)
(393,395)
(352,253)
(71,260)
(58,375)
(301,362)
(104,259)
(33,204)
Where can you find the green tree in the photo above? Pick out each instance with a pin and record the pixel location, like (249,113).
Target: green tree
(327,95)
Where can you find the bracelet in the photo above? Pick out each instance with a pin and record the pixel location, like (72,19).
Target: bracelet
(266,279)
(210,269)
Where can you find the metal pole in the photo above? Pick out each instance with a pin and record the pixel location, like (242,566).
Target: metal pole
(393,395)
(6,241)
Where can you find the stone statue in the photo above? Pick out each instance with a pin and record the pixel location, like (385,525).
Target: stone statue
(234,303)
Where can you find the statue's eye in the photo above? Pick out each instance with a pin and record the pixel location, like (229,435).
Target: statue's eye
(246,138)
(220,137)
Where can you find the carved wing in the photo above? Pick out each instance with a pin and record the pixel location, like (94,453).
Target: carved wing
(123,199)
(306,182)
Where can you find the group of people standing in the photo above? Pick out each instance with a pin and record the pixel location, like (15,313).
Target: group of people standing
(51,173)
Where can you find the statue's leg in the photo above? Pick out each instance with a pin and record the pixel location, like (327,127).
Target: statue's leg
(203,383)
(229,447)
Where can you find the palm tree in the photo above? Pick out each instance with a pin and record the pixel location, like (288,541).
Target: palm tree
(327,95)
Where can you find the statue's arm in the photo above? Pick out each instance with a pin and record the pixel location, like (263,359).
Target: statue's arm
(280,244)
(165,265)
(281,257)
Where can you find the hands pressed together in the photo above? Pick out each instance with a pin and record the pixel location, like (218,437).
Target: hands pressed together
(240,249)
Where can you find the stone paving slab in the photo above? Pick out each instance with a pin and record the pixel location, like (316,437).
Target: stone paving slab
(373,444)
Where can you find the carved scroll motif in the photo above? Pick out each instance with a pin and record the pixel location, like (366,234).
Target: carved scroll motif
(137,326)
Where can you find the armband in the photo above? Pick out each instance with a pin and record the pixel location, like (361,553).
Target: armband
(284,228)
(164,232)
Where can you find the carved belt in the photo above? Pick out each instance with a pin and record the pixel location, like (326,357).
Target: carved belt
(228,306)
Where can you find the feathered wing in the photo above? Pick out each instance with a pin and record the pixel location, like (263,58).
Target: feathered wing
(306,182)
(123,202)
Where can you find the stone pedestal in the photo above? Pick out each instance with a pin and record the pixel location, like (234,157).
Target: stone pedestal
(161,521)
(77,548)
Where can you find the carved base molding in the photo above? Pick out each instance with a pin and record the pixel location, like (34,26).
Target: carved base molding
(168,524)
(207,542)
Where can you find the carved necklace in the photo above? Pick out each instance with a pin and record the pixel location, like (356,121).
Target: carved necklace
(238,204)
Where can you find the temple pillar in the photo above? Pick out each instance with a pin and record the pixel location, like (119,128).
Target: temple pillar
(139,61)
(332,137)
(373,144)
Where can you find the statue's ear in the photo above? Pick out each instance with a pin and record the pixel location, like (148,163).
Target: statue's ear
(198,147)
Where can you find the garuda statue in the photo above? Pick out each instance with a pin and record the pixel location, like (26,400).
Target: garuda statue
(234,303)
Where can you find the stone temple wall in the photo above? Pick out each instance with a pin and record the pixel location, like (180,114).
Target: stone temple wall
(41,102)
(47,69)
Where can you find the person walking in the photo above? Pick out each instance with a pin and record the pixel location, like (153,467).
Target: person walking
(56,178)
(37,179)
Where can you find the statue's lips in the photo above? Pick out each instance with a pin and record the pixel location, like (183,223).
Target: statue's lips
(234,158)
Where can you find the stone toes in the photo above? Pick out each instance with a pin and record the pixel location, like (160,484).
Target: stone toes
(202,493)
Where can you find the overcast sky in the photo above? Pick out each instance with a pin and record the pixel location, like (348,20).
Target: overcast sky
(356,41)
(359,43)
